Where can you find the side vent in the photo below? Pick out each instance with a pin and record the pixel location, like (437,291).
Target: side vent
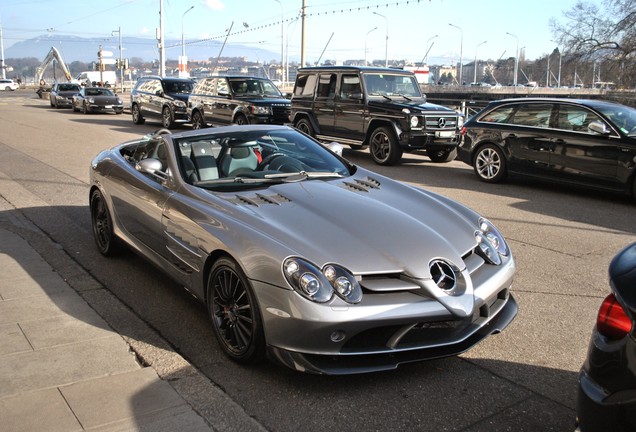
(362,185)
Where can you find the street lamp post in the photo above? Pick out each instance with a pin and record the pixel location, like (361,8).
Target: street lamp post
(121,65)
(461,53)
(516,58)
(294,21)
(365,45)
(428,48)
(386,42)
(183,63)
(282,39)
(478,45)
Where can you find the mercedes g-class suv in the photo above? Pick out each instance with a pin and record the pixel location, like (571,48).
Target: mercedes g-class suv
(379,108)
(224,100)
(162,98)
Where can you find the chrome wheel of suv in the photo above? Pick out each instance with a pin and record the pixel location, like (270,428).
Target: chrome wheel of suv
(490,164)
(384,147)
(136,115)
(197,120)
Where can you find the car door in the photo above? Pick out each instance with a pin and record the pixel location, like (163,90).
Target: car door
(349,108)
(223,108)
(528,138)
(325,103)
(582,155)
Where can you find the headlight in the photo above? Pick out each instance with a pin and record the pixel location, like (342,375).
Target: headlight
(179,104)
(120,102)
(91,100)
(319,286)
(260,110)
(492,244)
(415,121)
(460,121)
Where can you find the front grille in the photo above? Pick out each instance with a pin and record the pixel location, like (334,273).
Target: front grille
(440,122)
(281,112)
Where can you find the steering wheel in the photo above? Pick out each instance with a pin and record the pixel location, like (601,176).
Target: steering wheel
(267,160)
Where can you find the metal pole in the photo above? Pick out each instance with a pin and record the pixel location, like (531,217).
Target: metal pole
(386,42)
(282,38)
(162,48)
(183,72)
(516,59)
(365,45)
(302,37)
(121,65)
(461,49)
(478,45)
(2,65)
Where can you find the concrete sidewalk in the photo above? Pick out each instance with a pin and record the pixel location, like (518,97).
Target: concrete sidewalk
(62,367)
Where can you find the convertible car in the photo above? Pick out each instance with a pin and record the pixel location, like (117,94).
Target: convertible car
(301,256)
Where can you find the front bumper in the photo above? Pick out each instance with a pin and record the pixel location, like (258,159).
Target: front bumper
(114,108)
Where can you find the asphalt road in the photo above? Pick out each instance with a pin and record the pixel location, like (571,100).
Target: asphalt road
(521,380)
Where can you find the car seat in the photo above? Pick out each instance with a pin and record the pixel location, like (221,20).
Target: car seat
(239,160)
(202,156)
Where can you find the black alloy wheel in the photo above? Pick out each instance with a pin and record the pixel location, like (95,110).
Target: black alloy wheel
(305,127)
(241,120)
(136,115)
(85,108)
(490,164)
(197,120)
(234,312)
(384,147)
(105,239)
(167,117)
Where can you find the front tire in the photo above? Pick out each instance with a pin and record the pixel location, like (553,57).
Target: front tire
(167,118)
(105,239)
(234,312)
(137,118)
(197,120)
(304,125)
(85,108)
(490,164)
(241,120)
(384,147)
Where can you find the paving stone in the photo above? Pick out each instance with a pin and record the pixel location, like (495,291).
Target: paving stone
(43,410)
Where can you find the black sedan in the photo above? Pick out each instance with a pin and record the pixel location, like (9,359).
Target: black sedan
(607,382)
(61,94)
(97,99)
(583,142)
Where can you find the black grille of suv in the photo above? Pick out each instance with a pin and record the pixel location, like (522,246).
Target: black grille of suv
(440,122)
(281,112)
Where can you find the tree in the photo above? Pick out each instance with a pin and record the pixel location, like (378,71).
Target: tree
(600,34)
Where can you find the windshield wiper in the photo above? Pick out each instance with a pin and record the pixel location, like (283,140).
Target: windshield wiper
(405,97)
(303,175)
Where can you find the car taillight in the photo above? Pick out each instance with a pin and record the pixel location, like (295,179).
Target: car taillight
(463,130)
(612,321)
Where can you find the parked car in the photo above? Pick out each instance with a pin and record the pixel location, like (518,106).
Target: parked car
(97,99)
(582,142)
(240,100)
(160,98)
(8,84)
(248,219)
(607,382)
(379,108)
(61,94)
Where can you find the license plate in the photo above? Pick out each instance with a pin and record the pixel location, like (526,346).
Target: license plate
(445,134)
(108,106)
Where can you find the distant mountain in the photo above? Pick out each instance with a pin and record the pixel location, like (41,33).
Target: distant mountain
(75,48)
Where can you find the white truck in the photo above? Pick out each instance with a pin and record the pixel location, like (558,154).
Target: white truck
(109,78)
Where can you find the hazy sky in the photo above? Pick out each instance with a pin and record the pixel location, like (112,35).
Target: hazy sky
(342,28)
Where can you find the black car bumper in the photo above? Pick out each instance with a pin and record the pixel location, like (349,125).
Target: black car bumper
(353,364)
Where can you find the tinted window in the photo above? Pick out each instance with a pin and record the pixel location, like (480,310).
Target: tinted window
(184,87)
(350,85)
(379,84)
(535,115)
(326,86)
(222,87)
(206,87)
(305,85)
(575,118)
(498,115)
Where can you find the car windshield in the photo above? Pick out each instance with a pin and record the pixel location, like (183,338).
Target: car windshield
(69,87)
(622,116)
(94,91)
(255,158)
(260,87)
(386,84)
(183,87)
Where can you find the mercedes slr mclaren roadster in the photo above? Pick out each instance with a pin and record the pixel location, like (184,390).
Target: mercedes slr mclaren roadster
(301,256)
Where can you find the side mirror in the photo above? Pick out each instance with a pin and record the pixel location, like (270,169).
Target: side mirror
(159,93)
(335,147)
(599,128)
(150,166)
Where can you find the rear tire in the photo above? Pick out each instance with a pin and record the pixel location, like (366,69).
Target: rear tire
(489,164)
(442,156)
(107,243)
(384,147)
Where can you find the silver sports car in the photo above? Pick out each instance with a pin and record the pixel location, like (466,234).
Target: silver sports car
(299,255)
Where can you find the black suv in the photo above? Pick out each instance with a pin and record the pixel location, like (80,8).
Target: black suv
(224,100)
(379,108)
(160,98)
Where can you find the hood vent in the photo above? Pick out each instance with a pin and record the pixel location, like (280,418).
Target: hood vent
(362,185)
(258,200)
